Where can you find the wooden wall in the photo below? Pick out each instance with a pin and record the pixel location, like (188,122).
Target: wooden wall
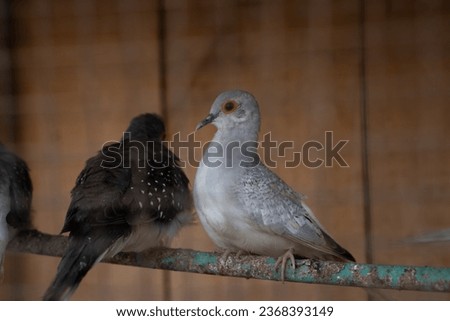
(375,73)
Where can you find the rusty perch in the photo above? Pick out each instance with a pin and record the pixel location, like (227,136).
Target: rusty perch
(418,278)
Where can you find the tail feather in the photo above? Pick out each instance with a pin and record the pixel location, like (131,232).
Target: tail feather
(78,259)
(3,244)
(1,267)
(339,252)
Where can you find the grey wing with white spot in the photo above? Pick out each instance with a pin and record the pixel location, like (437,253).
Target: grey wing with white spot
(278,209)
(160,189)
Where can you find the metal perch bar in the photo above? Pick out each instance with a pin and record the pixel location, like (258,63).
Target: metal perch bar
(417,278)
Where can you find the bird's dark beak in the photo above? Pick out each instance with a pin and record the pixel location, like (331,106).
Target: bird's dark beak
(209,119)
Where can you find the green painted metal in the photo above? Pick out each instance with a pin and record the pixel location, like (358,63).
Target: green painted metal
(418,278)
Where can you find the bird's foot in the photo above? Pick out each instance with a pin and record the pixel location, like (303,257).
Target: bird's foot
(225,255)
(240,253)
(283,260)
(227,252)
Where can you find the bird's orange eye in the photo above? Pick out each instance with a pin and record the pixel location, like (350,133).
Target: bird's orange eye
(229,107)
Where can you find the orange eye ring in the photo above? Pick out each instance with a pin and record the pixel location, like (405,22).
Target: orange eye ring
(229,106)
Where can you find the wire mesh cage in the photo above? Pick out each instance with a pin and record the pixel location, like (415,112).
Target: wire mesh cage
(375,73)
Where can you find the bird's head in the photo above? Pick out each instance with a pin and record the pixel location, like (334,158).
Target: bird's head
(231,109)
(148,126)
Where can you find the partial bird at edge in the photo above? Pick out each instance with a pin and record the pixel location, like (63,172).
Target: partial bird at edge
(16,191)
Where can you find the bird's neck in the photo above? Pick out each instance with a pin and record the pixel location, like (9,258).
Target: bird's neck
(132,137)
(236,134)
(234,148)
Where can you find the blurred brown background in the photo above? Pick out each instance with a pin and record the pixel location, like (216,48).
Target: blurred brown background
(73,73)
